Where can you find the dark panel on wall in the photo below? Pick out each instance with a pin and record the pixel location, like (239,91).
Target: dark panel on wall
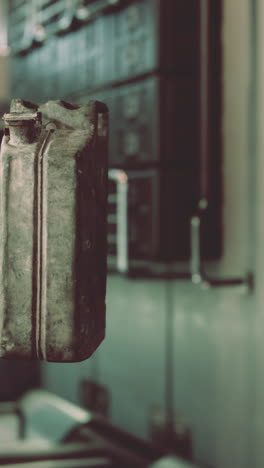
(142,58)
(159,209)
(154,122)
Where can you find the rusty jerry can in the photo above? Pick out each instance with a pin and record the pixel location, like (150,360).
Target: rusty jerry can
(53,195)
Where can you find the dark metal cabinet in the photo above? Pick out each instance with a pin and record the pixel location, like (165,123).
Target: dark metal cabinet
(159,211)
(144,59)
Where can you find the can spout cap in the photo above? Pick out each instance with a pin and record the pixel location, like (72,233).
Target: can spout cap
(24,127)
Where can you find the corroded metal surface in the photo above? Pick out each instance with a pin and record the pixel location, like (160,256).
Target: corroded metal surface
(53,188)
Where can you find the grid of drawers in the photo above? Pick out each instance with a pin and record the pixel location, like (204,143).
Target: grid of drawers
(138,38)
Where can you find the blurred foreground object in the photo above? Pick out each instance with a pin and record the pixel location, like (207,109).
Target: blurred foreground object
(53,192)
(46,431)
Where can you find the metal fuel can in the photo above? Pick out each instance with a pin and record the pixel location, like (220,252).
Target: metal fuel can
(53,195)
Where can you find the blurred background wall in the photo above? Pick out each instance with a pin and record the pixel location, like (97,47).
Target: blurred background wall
(172,347)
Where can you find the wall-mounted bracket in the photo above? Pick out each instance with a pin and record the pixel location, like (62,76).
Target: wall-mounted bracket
(199,276)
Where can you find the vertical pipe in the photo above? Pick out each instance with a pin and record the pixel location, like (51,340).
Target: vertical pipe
(195,250)
(169,362)
(204,104)
(122,222)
